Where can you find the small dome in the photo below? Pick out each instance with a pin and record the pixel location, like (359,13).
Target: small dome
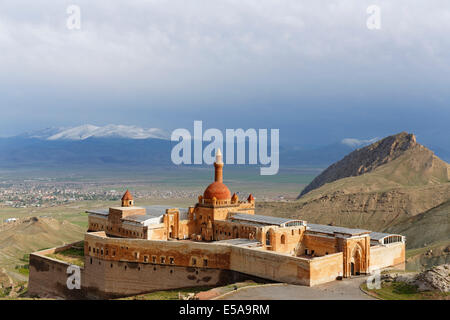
(217,190)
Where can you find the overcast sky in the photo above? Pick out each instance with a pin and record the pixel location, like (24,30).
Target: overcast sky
(310,68)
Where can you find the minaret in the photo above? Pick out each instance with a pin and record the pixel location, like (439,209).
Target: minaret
(127,199)
(218,165)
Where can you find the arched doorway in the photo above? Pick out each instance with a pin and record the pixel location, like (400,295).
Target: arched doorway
(356,262)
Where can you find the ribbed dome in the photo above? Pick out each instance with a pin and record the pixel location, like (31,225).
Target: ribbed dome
(218,190)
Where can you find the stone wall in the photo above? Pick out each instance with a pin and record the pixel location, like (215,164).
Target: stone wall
(326,268)
(260,263)
(117,267)
(321,244)
(48,276)
(390,255)
(111,279)
(270,265)
(177,253)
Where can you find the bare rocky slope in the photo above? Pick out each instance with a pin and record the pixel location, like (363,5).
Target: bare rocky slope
(426,167)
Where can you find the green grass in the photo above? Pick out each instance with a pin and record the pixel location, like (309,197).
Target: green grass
(404,291)
(74,251)
(23,269)
(73,255)
(167,294)
(4,292)
(19,291)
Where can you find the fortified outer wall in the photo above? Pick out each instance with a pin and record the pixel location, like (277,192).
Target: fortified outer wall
(120,267)
(260,263)
(110,279)
(48,276)
(383,256)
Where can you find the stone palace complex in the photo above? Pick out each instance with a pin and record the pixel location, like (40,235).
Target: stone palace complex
(130,250)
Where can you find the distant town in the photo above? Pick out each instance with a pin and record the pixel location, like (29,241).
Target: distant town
(48,193)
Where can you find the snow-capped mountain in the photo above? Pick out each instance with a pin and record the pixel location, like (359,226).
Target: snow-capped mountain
(42,133)
(358,143)
(90,131)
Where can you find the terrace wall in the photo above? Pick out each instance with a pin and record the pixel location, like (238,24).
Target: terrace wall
(390,255)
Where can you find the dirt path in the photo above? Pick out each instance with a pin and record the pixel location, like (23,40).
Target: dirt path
(347,289)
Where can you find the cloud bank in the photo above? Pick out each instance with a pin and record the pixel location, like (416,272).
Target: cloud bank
(253,63)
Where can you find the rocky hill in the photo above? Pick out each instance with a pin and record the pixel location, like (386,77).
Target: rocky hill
(421,165)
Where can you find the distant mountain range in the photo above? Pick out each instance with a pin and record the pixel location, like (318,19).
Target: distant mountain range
(86,131)
(121,145)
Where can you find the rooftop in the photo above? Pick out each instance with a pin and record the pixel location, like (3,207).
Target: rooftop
(240,242)
(139,217)
(380,235)
(259,219)
(334,229)
(151,211)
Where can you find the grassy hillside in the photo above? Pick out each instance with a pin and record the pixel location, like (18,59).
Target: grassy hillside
(18,239)
(426,228)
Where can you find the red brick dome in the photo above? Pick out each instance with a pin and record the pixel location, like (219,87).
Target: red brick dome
(218,190)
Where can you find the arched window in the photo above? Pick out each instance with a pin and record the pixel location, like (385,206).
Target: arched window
(267,238)
(283,239)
